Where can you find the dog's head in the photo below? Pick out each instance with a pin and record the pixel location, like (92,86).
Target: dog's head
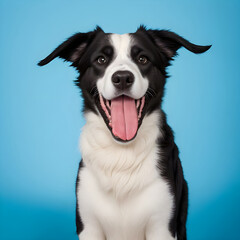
(122,77)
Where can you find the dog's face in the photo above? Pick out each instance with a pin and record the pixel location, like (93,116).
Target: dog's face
(122,77)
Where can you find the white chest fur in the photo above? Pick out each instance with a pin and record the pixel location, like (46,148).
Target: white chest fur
(121,194)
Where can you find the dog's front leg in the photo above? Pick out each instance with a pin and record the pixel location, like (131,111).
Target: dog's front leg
(91,233)
(155,231)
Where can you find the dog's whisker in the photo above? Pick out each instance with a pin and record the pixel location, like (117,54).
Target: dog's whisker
(94,91)
(152,91)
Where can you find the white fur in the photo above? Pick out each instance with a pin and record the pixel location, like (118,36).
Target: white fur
(121,194)
(122,61)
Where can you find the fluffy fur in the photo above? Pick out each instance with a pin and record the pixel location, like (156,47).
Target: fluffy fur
(130,188)
(129,193)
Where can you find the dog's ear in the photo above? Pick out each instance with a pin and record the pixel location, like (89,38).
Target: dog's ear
(73,48)
(169,42)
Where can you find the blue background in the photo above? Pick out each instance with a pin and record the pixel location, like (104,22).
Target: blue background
(41,117)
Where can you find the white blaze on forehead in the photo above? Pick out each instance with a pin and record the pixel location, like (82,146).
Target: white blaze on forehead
(122,61)
(122,45)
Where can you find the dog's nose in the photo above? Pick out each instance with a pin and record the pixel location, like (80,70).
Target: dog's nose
(122,79)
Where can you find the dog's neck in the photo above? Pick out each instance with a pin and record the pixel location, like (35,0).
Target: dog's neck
(106,158)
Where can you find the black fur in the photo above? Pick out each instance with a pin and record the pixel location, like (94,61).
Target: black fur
(171,169)
(79,223)
(160,47)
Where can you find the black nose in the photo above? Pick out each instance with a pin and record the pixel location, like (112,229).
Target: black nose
(122,79)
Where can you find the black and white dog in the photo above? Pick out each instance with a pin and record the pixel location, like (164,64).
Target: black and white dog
(130,183)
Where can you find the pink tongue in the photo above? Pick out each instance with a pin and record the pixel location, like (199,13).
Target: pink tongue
(124,117)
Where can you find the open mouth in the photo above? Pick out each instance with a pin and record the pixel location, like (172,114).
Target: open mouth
(122,115)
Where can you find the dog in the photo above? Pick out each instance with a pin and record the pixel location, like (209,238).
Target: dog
(130,183)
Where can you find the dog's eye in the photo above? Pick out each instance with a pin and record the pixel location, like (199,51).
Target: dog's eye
(101,60)
(142,60)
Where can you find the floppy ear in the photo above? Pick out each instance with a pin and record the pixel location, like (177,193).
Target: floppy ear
(73,48)
(170,42)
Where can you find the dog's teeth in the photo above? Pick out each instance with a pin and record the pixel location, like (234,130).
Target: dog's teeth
(108,104)
(138,103)
(141,107)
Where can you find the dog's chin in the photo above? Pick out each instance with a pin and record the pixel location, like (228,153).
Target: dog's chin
(122,115)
